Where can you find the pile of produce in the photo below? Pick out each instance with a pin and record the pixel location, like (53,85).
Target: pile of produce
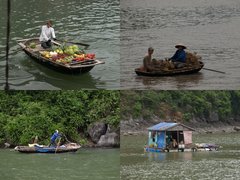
(193,59)
(32,45)
(164,65)
(68,54)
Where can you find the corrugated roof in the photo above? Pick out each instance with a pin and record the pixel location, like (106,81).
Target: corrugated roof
(162,126)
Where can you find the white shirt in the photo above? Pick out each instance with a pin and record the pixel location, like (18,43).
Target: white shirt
(46,34)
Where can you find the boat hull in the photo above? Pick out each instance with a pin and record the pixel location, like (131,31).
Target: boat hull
(27,149)
(77,68)
(176,72)
(57,67)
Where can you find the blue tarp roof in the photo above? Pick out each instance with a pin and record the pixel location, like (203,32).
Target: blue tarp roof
(162,126)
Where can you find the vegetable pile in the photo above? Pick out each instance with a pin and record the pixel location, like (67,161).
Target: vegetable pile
(192,60)
(69,54)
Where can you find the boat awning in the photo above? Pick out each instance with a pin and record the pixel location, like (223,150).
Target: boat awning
(165,126)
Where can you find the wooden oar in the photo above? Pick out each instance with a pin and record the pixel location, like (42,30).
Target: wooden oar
(66,138)
(82,44)
(58,145)
(214,70)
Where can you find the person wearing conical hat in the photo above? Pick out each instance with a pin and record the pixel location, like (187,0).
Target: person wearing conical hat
(179,58)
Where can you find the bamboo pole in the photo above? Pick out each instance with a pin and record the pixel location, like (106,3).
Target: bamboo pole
(7,44)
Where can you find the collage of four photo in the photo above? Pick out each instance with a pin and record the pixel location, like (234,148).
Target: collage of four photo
(119,89)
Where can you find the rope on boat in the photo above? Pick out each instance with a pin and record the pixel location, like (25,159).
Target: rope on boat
(7,44)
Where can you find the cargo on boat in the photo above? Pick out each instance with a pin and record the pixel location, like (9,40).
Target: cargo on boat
(173,72)
(66,62)
(71,147)
(174,137)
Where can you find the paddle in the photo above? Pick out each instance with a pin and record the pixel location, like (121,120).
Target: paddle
(66,138)
(82,44)
(58,145)
(214,70)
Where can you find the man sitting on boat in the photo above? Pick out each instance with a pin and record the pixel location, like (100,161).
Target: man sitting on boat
(53,138)
(46,35)
(179,58)
(147,60)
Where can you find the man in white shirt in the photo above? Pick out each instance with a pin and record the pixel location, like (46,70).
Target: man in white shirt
(46,35)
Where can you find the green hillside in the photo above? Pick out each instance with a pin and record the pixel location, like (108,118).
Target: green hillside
(26,114)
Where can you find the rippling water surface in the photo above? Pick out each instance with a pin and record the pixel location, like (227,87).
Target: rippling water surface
(85,164)
(94,22)
(223,164)
(208,27)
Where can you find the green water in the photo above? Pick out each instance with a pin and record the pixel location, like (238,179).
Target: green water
(93,22)
(84,164)
(223,164)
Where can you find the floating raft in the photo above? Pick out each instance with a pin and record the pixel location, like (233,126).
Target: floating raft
(194,148)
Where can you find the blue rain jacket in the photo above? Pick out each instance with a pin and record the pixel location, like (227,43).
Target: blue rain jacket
(180,55)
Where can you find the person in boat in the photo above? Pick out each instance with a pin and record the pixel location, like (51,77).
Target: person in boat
(175,144)
(169,141)
(47,34)
(54,137)
(147,60)
(179,58)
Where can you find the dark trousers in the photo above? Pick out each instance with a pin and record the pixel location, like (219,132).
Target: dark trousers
(53,143)
(46,45)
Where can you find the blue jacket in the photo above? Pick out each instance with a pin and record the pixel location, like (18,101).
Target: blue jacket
(180,55)
(55,136)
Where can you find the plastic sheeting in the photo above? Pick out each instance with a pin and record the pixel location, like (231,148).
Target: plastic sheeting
(162,126)
(161,139)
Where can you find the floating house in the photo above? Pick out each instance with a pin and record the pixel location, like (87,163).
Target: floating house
(167,136)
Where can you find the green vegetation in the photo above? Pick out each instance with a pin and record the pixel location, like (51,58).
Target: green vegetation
(26,114)
(184,105)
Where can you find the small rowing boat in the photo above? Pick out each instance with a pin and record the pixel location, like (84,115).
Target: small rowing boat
(71,147)
(173,72)
(72,66)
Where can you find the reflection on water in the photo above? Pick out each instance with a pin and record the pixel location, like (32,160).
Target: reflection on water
(209,28)
(165,156)
(84,164)
(94,22)
(222,164)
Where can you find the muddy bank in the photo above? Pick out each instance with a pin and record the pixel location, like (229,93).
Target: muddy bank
(139,126)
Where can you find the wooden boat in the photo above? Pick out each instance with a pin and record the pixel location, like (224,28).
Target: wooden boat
(71,147)
(77,67)
(179,71)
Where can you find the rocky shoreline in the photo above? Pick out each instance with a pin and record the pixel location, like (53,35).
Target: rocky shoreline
(139,126)
(100,135)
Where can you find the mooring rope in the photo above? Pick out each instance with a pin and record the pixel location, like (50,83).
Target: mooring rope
(7,43)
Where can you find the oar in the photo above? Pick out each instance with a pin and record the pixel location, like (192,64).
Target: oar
(58,145)
(83,44)
(66,138)
(214,70)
